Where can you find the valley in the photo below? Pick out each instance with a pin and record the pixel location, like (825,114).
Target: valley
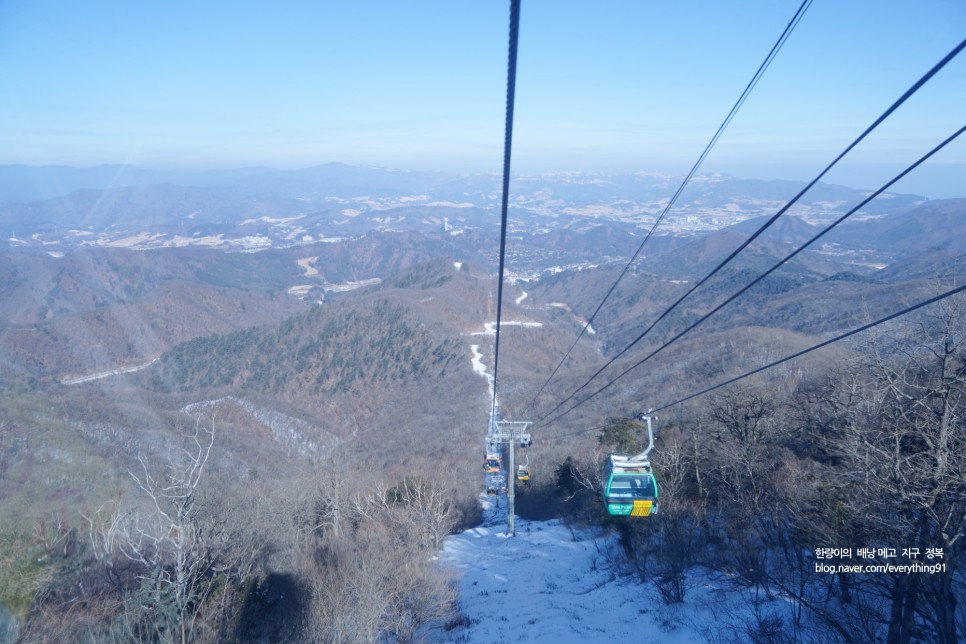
(313,324)
(337,342)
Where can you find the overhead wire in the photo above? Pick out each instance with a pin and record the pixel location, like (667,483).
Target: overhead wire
(789,28)
(775,267)
(892,108)
(511,79)
(838,338)
(797,354)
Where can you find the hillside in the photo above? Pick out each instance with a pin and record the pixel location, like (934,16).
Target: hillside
(345,382)
(80,312)
(932,226)
(369,342)
(373,364)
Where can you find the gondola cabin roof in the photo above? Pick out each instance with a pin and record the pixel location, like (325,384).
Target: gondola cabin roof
(617,463)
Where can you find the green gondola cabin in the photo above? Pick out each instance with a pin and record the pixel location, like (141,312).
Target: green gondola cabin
(630,488)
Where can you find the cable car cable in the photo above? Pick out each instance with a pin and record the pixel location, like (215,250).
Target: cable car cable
(912,90)
(730,381)
(895,105)
(864,327)
(714,139)
(777,265)
(791,255)
(511,79)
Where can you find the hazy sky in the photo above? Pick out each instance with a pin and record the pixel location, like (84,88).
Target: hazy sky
(611,86)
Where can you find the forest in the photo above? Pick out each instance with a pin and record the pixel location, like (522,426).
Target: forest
(841,491)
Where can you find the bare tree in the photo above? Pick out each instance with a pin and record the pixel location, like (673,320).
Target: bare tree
(679,523)
(426,506)
(174,551)
(745,449)
(891,445)
(369,566)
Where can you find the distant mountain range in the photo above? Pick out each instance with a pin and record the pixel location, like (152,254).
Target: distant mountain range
(81,309)
(257,208)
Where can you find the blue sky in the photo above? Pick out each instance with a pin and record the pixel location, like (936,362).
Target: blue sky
(633,86)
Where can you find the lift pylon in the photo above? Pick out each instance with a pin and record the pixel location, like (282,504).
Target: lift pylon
(500,435)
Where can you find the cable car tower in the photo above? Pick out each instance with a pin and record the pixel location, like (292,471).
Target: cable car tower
(509,433)
(504,435)
(630,488)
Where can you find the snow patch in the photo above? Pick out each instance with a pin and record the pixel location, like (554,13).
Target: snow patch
(300,290)
(287,430)
(479,367)
(551,583)
(252,242)
(452,204)
(179,241)
(133,240)
(76,380)
(490,327)
(306,265)
(273,220)
(350,286)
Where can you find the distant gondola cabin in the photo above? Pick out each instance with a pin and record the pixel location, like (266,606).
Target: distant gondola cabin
(630,488)
(491,464)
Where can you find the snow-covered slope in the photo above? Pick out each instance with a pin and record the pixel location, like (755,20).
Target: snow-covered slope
(552,583)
